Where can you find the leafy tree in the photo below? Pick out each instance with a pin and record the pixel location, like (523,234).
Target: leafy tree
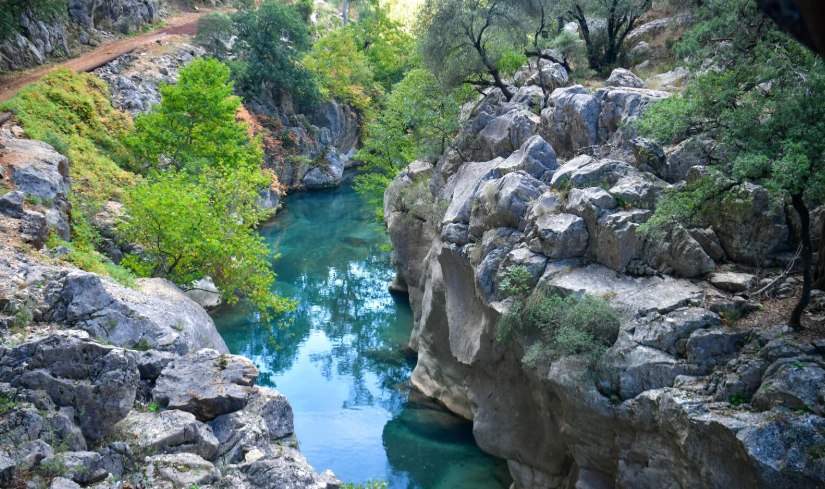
(604,44)
(386,43)
(764,101)
(191,227)
(271,41)
(342,70)
(477,42)
(419,118)
(48,11)
(214,31)
(195,125)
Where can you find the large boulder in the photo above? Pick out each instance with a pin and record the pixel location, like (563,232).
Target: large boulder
(571,122)
(328,173)
(670,81)
(621,77)
(98,381)
(504,202)
(559,236)
(553,74)
(535,156)
(622,105)
(750,224)
(154,315)
(11,204)
(207,384)
(685,155)
(793,385)
(506,133)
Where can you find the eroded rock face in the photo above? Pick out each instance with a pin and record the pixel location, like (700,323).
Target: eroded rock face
(676,376)
(96,380)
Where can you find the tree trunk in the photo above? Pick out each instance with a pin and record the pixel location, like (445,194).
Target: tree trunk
(819,271)
(807,257)
(345,11)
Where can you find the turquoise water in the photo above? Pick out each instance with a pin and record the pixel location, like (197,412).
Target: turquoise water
(343,362)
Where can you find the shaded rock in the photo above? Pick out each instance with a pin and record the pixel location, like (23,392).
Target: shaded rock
(206,384)
(341,121)
(792,385)
(152,362)
(555,76)
(620,106)
(709,242)
(82,467)
(11,204)
(275,410)
(685,155)
(504,202)
(749,223)
(535,157)
(664,332)
(649,156)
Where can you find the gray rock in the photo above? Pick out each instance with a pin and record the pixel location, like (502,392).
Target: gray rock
(571,122)
(328,174)
(183,470)
(98,381)
(664,332)
(733,282)
(82,467)
(676,252)
(709,242)
(649,156)
(792,385)
(685,155)
(621,77)
(63,483)
(207,384)
(554,74)
(341,121)
(170,431)
(287,471)
(275,410)
(620,106)
(672,80)
(11,204)
(156,314)
(152,362)
(504,202)
(38,170)
(749,223)
(506,133)
(535,157)
(205,293)
(560,236)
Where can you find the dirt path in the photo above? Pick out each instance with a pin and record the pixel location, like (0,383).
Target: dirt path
(184,24)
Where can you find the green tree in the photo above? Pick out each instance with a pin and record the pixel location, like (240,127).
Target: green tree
(191,227)
(195,125)
(478,42)
(604,44)
(419,118)
(764,103)
(343,71)
(214,31)
(272,40)
(386,43)
(306,8)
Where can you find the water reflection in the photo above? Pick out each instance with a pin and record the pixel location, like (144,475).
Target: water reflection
(343,361)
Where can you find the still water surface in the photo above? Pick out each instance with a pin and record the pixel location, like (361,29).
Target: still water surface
(343,362)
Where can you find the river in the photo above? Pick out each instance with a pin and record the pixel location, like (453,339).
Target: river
(343,361)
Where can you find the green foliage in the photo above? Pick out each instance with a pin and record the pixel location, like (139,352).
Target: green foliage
(574,325)
(517,281)
(73,113)
(6,404)
(569,45)
(214,31)
(471,41)
(48,11)
(191,227)
(386,43)
(418,119)
(195,127)
(342,71)
(764,104)
(271,41)
(371,484)
(738,399)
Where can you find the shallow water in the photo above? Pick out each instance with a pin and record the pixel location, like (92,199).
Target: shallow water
(343,362)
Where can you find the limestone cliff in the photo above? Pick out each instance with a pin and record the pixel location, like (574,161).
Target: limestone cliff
(685,400)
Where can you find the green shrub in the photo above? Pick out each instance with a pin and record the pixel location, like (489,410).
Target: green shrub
(371,484)
(574,325)
(517,281)
(214,31)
